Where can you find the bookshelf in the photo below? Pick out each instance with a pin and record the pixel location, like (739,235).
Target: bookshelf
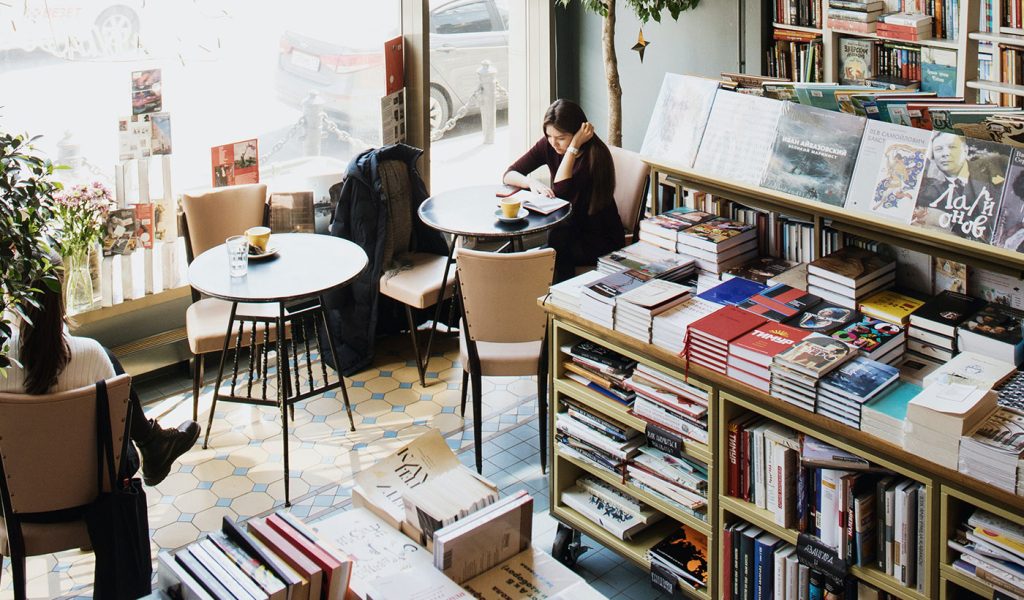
(950,494)
(1001,35)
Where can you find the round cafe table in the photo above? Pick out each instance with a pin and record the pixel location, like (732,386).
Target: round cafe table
(305,267)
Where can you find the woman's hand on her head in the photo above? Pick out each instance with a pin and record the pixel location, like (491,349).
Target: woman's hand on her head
(539,188)
(583,136)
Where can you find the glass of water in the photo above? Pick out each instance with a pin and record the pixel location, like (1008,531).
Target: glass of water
(238,255)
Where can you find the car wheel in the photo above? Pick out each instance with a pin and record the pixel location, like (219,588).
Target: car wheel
(116,31)
(440,111)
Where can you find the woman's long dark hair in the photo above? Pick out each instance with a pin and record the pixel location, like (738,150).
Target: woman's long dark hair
(44,349)
(567,116)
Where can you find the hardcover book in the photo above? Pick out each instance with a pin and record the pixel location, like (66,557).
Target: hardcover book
(677,123)
(824,318)
(851,266)
(785,299)
(732,292)
(1009,225)
(871,336)
(891,306)
(860,379)
(996,321)
(763,343)
(890,168)
(737,141)
(816,355)
(726,324)
(717,235)
(938,71)
(856,59)
(945,312)
(761,269)
(962,186)
(814,153)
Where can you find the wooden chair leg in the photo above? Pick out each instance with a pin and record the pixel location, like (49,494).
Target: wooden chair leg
(478,424)
(197,384)
(465,390)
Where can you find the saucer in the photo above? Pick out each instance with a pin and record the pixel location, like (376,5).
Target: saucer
(501,216)
(269,252)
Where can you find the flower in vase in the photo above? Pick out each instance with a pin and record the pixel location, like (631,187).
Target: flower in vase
(80,216)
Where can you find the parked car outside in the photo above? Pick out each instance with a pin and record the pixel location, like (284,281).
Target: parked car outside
(71,28)
(343,60)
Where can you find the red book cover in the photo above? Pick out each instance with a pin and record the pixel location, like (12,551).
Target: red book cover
(786,299)
(727,324)
(735,432)
(727,563)
(295,558)
(145,216)
(336,580)
(394,64)
(763,343)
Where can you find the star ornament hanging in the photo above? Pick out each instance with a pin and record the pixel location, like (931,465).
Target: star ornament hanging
(641,44)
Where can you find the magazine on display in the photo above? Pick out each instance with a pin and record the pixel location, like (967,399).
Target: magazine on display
(889,170)
(737,142)
(677,123)
(235,164)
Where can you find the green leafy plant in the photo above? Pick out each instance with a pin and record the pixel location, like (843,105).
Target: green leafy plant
(645,10)
(26,197)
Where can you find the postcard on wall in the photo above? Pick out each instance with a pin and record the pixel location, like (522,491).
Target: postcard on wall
(120,234)
(147,92)
(889,170)
(134,137)
(737,141)
(145,220)
(160,128)
(677,123)
(394,64)
(392,113)
(235,164)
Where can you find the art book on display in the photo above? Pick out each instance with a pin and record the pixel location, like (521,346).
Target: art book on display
(856,58)
(871,336)
(786,300)
(732,292)
(235,164)
(763,343)
(738,138)
(962,187)
(824,318)
(851,266)
(1009,228)
(860,378)
(145,221)
(814,153)
(677,123)
(147,91)
(120,234)
(889,171)
(891,306)
(816,355)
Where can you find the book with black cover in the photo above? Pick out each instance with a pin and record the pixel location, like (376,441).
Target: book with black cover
(945,312)
(996,321)
(824,318)
(597,353)
(686,550)
(872,336)
(760,269)
(814,153)
(860,378)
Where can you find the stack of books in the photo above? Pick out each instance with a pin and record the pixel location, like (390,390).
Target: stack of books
(719,245)
(568,294)
(751,355)
(854,16)
(599,369)
(991,549)
(615,511)
(489,536)
(758,560)
(274,557)
(637,308)
(943,413)
(914,368)
(590,438)
(663,230)
(849,275)
(900,512)
(649,260)
(599,298)
(994,331)
(732,292)
(905,27)
(797,371)
(669,403)
(891,306)
(446,498)
(679,480)
(1011,391)
(995,453)
(933,326)
(970,368)
(760,269)
(876,339)
(708,339)
(843,392)
(883,417)
(668,329)
(684,554)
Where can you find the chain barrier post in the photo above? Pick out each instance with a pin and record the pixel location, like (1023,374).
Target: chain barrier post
(488,99)
(313,113)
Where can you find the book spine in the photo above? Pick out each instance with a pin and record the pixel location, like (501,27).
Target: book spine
(922,503)
(747,576)
(759,482)
(732,486)
(727,561)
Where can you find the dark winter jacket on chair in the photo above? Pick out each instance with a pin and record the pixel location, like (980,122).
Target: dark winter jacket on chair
(362,216)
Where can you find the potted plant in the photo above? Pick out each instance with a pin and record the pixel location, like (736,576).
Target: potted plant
(79,219)
(26,195)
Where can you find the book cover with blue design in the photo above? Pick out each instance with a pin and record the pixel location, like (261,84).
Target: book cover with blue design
(860,379)
(732,292)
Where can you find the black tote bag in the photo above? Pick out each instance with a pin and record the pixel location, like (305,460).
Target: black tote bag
(118,520)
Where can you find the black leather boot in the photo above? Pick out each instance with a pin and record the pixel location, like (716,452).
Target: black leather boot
(162,447)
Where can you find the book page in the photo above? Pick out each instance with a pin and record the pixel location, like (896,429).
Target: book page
(738,138)
(538,202)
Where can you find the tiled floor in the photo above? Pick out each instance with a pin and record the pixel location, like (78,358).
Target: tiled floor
(240,475)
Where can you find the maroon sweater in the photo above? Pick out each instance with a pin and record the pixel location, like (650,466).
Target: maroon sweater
(593,235)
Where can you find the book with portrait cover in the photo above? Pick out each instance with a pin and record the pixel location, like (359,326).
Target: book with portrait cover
(738,138)
(814,153)
(889,170)
(962,187)
(677,123)
(236,163)
(816,355)
(824,318)
(1009,228)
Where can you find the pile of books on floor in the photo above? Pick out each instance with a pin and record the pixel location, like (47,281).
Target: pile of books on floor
(682,556)
(669,405)
(719,244)
(588,437)
(649,261)
(933,326)
(568,294)
(599,369)
(849,275)
(668,329)
(636,309)
(675,478)
(992,550)
(615,511)
(797,370)
(843,392)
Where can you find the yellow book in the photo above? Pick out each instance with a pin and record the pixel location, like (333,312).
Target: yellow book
(890,306)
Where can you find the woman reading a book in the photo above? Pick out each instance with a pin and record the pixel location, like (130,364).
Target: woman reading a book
(47,359)
(582,173)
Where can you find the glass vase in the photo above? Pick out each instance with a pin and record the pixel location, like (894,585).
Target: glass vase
(77,282)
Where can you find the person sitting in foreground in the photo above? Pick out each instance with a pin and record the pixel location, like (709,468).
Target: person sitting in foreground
(582,171)
(47,359)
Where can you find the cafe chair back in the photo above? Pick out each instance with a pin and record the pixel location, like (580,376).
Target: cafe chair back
(48,469)
(504,327)
(631,180)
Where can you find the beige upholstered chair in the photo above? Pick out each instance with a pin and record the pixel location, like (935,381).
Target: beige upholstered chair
(411,278)
(504,328)
(631,178)
(210,218)
(48,444)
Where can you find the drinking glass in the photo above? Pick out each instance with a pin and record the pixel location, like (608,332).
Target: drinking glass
(238,255)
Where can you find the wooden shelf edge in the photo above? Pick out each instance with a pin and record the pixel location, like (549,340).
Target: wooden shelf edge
(663,507)
(928,42)
(996,86)
(949,573)
(887,583)
(110,312)
(996,38)
(803,28)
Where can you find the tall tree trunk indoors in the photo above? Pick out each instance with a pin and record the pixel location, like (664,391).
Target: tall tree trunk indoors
(611,73)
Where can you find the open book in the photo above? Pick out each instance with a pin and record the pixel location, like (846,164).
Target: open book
(539,203)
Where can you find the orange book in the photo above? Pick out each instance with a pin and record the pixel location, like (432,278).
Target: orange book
(295,558)
(336,572)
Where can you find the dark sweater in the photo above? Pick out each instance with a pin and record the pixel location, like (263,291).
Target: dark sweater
(588,236)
